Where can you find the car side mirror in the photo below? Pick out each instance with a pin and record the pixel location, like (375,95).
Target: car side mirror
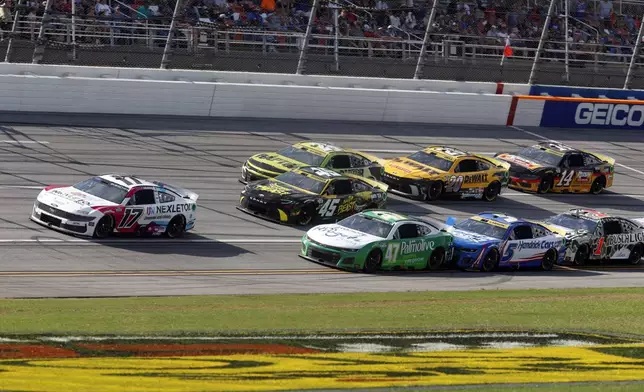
(450,221)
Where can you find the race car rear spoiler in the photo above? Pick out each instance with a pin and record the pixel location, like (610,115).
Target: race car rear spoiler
(638,220)
(185,193)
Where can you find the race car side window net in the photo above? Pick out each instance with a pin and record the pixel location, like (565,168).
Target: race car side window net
(143,197)
(341,162)
(575,160)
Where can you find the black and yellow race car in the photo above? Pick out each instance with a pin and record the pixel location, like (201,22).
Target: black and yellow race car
(554,167)
(311,195)
(441,171)
(325,155)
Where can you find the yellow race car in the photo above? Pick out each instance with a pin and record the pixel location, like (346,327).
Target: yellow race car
(324,155)
(439,171)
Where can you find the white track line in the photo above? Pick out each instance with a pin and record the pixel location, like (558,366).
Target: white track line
(80,241)
(24,141)
(410,151)
(551,140)
(22,186)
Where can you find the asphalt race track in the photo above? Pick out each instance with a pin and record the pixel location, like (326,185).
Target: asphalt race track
(231,252)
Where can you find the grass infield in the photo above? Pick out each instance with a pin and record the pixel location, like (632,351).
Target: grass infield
(617,311)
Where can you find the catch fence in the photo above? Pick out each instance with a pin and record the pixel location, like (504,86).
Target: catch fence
(336,42)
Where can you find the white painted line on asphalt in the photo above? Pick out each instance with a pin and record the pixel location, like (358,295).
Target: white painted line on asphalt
(550,140)
(410,151)
(80,241)
(21,186)
(24,141)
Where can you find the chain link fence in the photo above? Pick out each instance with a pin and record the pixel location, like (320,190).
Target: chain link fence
(464,42)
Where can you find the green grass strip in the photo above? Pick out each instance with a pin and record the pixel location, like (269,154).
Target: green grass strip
(591,310)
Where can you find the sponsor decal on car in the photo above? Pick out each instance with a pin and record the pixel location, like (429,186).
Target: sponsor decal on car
(414,247)
(544,244)
(76,197)
(274,189)
(167,209)
(623,239)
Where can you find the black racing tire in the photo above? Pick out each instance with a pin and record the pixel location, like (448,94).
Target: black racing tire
(549,260)
(434,191)
(546,184)
(307,215)
(176,227)
(104,227)
(436,259)
(635,257)
(490,261)
(492,191)
(581,255)
(598,185)
(373,261)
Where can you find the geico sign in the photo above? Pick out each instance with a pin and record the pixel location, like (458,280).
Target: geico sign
(609,114)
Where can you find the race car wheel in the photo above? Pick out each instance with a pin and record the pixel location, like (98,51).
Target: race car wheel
(549,260)
(373,261)
(492,191)
(581,255)
(546,184)
(434,191)
(598,185)
(436,259)
(491,261)
(636,254)
(104,227)
(306,215)
(176,227)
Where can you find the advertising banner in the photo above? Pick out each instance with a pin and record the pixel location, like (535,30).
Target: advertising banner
(571,114)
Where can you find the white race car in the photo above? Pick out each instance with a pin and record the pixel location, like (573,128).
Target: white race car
(111,203)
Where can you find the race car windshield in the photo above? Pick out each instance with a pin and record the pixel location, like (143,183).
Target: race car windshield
(367,225)
(104,189)
(541,156)
(431,160)
(302,182)
(481,228)
(301,156)
(571,222)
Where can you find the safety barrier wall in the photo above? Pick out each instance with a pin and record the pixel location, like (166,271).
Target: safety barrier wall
(85,90)
(263,78)
(30,93)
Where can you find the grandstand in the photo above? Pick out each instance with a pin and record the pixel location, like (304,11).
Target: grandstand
(349,37)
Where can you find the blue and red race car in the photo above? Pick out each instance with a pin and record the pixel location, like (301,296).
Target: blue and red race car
(490,240)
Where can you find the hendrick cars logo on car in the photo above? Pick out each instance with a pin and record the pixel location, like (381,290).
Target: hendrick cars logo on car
(538,244)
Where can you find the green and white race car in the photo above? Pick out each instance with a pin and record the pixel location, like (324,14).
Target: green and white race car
(378,240)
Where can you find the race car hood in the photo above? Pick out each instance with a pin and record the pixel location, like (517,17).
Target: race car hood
(340,237)
(70,199)
(406,168)
(518,163)
(274,162)
(468,239)
(272,190)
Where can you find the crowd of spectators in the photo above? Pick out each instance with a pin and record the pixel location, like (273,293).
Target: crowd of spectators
(595,25)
